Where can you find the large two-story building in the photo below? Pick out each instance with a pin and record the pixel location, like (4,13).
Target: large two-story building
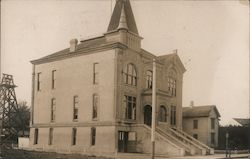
(95,96)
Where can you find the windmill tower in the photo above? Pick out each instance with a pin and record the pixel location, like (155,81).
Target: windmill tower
(8,107)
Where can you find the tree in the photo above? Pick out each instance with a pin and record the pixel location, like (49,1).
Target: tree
(23,117)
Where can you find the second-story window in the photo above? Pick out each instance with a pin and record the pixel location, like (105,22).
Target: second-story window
(129,75)
(212,123)
(39,81)
(172,86)
(53,110)
(96,73)
(149,80)
(53,79)
(75,109)
(130,107)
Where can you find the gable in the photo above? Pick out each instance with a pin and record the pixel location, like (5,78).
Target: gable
(173,61)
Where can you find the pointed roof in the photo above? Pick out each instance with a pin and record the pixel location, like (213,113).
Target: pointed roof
(123,17)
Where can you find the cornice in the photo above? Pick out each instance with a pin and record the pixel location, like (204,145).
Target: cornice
(80,52)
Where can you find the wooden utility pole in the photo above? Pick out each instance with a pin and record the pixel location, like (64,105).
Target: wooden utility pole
(153,109)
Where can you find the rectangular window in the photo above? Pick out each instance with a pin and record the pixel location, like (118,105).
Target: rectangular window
(195,124)
(195,136)
(149,79)
(212,123)
(93,136)
(74,133)
(39,81)
(172,86)
(36,136)
(50,136)
(173,115)
(53,110)
(212,138)
(95,105)
(53,79)
(130,107)
(96,73)
(76,106)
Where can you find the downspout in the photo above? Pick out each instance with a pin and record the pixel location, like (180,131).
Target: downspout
(32,96)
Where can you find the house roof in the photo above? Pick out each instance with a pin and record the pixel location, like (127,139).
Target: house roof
(123,16)
(243,122)
(199,111)
(85,47)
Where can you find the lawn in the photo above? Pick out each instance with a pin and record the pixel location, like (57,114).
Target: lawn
(23,154)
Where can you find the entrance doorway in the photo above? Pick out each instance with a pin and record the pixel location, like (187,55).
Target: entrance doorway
(147,115)
(122,141)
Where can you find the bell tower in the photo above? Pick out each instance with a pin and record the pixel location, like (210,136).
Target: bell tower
(122,27)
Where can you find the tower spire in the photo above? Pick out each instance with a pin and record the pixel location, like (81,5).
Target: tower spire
(123,17)
(123,21)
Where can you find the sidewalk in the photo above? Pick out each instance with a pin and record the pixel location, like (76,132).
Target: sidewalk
(147,156)
(215,156)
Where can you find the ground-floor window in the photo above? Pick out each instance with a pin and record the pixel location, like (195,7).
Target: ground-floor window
(50,136)
(147,115)
(173,115)
(36,136)
(74,133)
(212,138)
(163,114)
(122,141)
(195,136)
(93,136)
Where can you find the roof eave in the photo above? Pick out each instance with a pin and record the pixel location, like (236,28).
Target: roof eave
(79,52)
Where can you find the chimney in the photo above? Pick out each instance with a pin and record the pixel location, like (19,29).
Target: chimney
(192,103)
(175,51)
(73,45)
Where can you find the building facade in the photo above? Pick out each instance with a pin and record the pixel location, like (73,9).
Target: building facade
(202,122)
(95,97)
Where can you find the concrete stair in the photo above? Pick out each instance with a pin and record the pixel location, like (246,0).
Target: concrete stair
(191,145)
(209,150)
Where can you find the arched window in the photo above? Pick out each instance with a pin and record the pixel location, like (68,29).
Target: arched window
(149,80)
(95,106)
(172,83)
(163,114)
(129,75)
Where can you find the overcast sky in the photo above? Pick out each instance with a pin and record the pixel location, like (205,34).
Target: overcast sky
(212,38)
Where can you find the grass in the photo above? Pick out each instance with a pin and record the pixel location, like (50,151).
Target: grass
(23,154)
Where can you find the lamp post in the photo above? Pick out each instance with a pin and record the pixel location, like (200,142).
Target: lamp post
(227,136)
(248,138)
(153,110)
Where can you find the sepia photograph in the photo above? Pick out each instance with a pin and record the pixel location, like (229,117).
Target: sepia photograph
(124,79)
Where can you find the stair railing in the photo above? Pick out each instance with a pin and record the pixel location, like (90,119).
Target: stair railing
(193,139)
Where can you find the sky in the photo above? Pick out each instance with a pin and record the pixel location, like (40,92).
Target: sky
(212,39)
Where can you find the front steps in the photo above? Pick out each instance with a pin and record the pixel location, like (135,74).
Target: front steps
(169,142)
